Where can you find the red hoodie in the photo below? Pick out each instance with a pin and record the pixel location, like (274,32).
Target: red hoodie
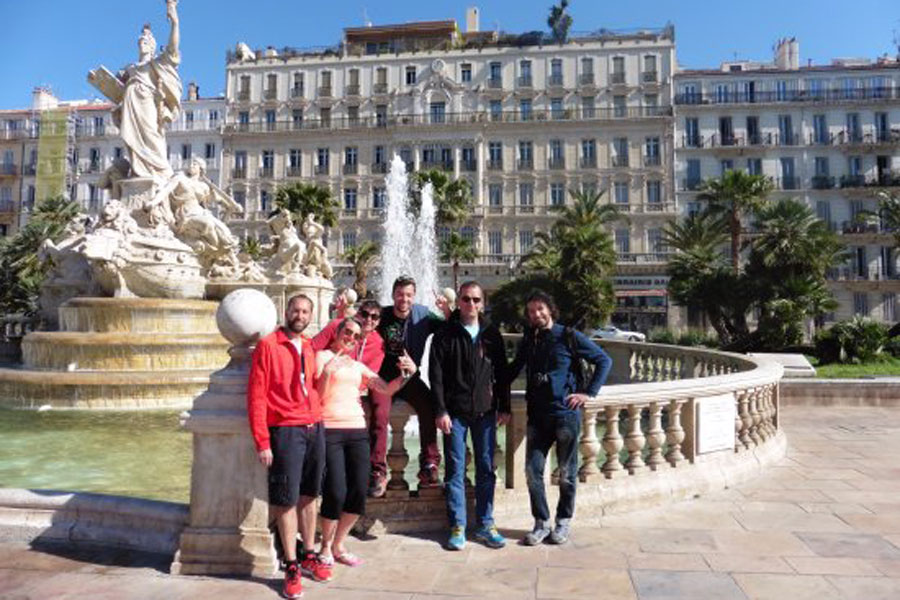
(276,394)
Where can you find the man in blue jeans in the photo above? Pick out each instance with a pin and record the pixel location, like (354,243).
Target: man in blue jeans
(549,352)
(466,370)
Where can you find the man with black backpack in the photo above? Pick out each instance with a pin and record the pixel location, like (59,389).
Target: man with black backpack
(551,355)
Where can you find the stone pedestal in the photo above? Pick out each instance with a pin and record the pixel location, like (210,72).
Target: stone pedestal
(320,290)
(228,529)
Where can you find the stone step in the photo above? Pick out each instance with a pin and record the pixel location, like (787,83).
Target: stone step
(30,389)
(76,351)
(138,315)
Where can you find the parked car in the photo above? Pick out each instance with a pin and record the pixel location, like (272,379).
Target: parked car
(611,332)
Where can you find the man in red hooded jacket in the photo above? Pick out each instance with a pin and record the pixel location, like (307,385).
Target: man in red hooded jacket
(286,422)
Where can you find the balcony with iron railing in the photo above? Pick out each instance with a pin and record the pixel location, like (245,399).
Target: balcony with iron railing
(243,96)
(324,91)
(525,164)
(321,170)
(556,163)
(691,184)
(652,160)
(293,171)
(440,165)
(555,80)
(619,161)
(495,83)
(352,90)
(271,94)
(350,168)
(588,162)
(379,88)
(586,79)
(787,183)
(649,77)
(266,172)
(822,182)
(468,165)
(525,81)
(239,173)
(495,165)
(380,167)
(297,91)
(825,96)
(617,78)
(9,170)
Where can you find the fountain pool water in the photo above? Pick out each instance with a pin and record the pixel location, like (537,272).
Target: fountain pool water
(409,246)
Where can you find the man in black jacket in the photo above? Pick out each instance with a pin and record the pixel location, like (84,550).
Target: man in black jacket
(466,370)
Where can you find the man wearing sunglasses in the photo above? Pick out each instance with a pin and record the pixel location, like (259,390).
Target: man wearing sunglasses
(466,370)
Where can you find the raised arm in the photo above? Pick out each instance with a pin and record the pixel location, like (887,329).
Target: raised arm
(175,35)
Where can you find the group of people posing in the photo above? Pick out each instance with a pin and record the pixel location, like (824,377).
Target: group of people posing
(307,401)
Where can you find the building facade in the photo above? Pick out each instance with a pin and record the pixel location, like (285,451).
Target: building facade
(522,120)
(826,135)
(71,143)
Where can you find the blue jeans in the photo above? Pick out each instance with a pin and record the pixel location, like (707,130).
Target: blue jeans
(564,431)
(484,441)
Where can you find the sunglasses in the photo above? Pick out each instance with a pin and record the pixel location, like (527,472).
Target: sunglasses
(472,299)
(364,314)
(350,333)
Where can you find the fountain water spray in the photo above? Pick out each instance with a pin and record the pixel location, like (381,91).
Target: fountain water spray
(409,246)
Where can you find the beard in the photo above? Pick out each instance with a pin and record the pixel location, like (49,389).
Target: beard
(297,325)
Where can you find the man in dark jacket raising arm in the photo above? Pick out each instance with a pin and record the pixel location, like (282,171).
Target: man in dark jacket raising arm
(467,365)
(549,352)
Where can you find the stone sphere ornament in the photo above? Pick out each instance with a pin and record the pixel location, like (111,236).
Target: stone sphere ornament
(246,315)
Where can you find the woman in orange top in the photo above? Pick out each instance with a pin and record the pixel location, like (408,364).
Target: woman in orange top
(339,382)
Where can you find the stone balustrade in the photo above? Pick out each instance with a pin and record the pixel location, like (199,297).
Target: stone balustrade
(640,439)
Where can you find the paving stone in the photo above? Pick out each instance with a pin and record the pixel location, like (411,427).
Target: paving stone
(867,588)
(767,586)
(780,521)
(691,541)
(674,585)
(818,565)
(884,523)
(849,545)
(506,582)
(757,543)
(728,563)
(667,562)
(568,584)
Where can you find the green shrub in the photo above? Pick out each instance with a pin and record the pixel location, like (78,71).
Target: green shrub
(857,340)
(661,335)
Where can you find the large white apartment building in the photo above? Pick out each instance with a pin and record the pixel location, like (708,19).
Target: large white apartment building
(87,143)
(828,135)
(521,119)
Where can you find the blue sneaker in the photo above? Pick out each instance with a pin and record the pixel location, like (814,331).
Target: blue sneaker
(457,539)
(490,537)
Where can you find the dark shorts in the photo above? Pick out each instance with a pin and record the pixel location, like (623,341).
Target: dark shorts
(298,463)
(346,473)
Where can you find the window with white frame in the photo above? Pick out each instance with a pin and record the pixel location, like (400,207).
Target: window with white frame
(526,241)
(379,197)
(495,194)
(654,191)
(557,194)
(526,195)
(348,240)
(495,243)
(465,73)
(350,199)
(410,76)
(620,189)
(623,241)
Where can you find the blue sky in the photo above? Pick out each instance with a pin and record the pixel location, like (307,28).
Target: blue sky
(55,42)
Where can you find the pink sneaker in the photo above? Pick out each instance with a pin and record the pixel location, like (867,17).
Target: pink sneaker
(349,559)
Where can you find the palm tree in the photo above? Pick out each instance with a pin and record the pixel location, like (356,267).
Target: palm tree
(361,258)
(21,270)
(889,214)
(456,249)
(560,22)
(252,247)
(735,195)
(301,199)
(452,198)
(587,208)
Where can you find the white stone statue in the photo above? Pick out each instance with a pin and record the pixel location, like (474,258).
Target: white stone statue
(184,201)
(289,251)
(316,254)
(148,97)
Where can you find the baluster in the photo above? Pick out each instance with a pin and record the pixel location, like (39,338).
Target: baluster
(768,422)
(746,419)
(675,433)
(612,442)
(590,447)
(397,456)
(738,423)
(634,440)
(655,368)
(755,417)
(655,437)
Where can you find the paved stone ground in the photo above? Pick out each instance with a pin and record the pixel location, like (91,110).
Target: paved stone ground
(824,524)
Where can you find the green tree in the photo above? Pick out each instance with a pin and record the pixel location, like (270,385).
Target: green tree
(21,271)
(735,195)
(560,22)
(361,257)
(301,199)
(252,247)
(452,197)
(889,214)
(456,249)
(578,254)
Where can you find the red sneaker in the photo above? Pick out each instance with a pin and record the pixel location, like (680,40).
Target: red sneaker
(293,586)
(316,568)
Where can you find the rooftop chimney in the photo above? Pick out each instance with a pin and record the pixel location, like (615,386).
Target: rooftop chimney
(42,99)
(193,91)
(472,18)
(787,54)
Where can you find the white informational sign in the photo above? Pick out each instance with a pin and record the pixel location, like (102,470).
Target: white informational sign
(715,423)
